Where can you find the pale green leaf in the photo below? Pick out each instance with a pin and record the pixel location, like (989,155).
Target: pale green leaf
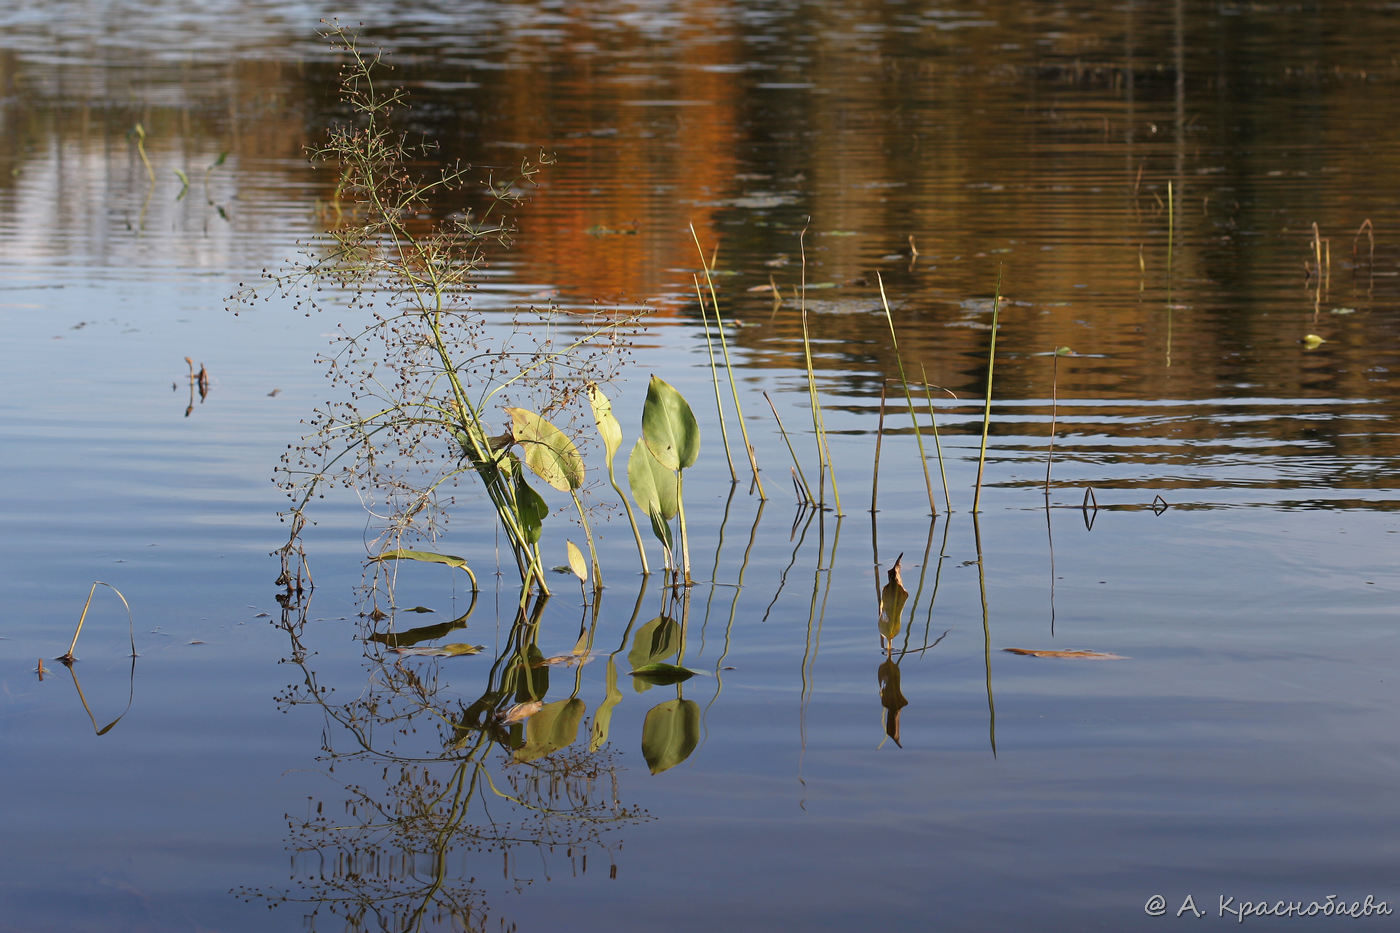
(653,486)
(669,426)
(576,561)
(426,557)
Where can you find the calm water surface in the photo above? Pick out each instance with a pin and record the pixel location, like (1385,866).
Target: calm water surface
(1145,178)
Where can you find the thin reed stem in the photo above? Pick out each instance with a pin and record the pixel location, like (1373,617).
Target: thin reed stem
(909,399)
(797,465)
(714,378)
(987,409)
(937,442)
(729,367)
(879,435)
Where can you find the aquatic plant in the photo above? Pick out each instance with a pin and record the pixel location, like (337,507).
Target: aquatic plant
(421,373)
(670,445)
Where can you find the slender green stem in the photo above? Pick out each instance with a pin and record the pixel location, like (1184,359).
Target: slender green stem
(685,538)
(728,365)
(937,442)
(714,378)
(806,489)
(909,399)
(588,532)
(987,409)
(813,400)
(879,435)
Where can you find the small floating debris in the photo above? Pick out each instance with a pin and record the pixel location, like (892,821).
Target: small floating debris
(520,712)
(1070,655)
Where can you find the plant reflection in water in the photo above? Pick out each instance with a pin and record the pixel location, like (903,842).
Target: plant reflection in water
(432,789)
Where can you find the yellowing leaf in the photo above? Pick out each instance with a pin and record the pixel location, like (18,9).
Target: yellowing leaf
(608,428)
(548,450)
(1313,341)
(1075,655)
(576,562)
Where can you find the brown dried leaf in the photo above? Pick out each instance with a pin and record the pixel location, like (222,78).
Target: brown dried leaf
(1076,655)
(521,711)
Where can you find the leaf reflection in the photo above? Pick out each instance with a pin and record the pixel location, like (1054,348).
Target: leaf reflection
(670,733)
(891,697)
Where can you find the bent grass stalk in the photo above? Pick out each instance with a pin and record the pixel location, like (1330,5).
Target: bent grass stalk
(67,657)
(909,399)
(804,488)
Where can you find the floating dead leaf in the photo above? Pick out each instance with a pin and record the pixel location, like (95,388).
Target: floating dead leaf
(565,660)
(521,712)
(440,651)
(1073,655)
(892,599)
(1312,341)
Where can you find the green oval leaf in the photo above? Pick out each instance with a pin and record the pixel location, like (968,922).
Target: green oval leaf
(671,432)
(548,450)
(653,486)
(670,733)
(660,673)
